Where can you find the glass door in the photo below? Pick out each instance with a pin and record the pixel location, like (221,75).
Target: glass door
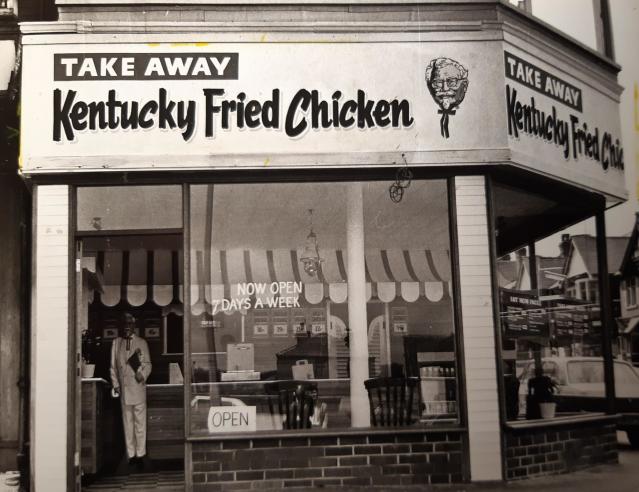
(129,293)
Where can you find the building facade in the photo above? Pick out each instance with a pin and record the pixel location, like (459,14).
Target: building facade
(302,205)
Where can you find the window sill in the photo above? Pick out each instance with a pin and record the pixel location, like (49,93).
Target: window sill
(327,433)
(562,420)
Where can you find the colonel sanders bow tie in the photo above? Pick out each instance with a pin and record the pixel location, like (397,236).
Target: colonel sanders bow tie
(443,123)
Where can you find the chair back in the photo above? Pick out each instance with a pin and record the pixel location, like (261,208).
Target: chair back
(295,402)
(391,400)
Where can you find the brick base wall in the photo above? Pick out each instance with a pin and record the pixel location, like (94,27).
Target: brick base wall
(559,449)
(374,459)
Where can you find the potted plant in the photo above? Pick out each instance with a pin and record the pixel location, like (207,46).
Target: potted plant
(90,346)
(541,396)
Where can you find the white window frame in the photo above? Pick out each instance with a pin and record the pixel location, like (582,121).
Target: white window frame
(631,292)
(581,289)
(593,290)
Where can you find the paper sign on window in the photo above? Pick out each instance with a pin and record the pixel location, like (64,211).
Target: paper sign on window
(400,327)
(281,330)
(318,328)
(260,329)
(232,419)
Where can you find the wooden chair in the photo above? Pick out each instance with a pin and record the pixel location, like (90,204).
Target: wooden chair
(295,402)
(391,400)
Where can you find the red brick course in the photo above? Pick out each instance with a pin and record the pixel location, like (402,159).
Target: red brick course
(559,449)
(319,461)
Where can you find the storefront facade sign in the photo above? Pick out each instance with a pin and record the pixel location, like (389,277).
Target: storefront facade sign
(164,106)
(205,100)
(561,125)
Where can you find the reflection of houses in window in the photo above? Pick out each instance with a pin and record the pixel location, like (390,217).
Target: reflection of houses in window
(628,317)
(515,274)
(573,273)
(580,270)
(569,284)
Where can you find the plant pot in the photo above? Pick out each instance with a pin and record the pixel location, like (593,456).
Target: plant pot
(88,370)
(547,410)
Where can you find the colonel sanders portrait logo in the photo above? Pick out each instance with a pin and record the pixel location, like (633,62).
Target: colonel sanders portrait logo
(447,81)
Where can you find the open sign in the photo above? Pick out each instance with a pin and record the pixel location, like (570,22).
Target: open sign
(232,419)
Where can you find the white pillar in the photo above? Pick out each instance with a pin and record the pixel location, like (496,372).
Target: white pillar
(387,340)
(358,339)
(50,339)
(484,431)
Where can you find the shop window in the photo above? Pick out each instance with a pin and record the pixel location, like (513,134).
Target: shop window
(410,312)
(110,208)
(552,332)
(272,301)
(558,340)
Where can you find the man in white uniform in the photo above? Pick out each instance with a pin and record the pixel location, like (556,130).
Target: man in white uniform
(129,382)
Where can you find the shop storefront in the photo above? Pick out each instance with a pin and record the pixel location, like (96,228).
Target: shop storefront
(302,215)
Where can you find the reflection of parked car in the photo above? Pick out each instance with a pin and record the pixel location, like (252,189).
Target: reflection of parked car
(580,387)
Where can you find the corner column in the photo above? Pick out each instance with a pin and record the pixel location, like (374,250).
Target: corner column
(482,397)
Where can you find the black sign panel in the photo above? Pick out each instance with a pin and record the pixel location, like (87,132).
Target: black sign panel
(145,66)
(543,82)
(522,315)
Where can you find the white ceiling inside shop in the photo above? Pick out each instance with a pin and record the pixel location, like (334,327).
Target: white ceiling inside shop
(271,216)
(275,215)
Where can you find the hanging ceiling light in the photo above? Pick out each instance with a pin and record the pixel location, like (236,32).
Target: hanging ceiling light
(310,256)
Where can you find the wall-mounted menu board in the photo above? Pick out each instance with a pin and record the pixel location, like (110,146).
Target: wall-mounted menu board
(523,314)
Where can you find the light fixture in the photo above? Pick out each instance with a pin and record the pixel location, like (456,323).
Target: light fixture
(310,256)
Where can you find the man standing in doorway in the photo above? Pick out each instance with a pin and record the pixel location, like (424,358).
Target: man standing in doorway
(130,368)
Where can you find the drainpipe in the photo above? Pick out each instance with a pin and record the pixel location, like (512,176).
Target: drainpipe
(25,345)
(10,111)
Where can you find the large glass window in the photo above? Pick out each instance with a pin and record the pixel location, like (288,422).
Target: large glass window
(300,292)
(551,327)
(107,208)
(410,312)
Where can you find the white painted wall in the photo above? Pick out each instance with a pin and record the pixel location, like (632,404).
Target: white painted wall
(577,265)
(50,329)
(484,432)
